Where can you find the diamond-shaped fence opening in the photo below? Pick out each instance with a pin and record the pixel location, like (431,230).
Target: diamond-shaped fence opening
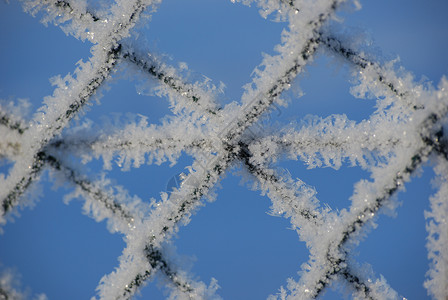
(223,123)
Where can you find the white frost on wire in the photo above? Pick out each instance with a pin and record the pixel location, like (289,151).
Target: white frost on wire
(221,138)
(437,227)
(10,287)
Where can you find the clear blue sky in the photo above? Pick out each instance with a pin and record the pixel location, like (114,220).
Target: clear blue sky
(61,252)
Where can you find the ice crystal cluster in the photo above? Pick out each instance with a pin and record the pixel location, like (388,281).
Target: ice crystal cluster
(406,130)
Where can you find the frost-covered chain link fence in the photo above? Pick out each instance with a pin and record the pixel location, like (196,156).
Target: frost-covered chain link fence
(220,137)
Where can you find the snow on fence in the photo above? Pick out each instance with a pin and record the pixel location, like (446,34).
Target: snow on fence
(220,137)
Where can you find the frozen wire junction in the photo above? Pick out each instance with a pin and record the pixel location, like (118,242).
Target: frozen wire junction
(220,137)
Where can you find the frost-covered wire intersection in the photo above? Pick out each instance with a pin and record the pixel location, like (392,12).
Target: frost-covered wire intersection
(222,137)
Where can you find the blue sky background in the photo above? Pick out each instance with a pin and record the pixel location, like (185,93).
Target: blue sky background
(61,252)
